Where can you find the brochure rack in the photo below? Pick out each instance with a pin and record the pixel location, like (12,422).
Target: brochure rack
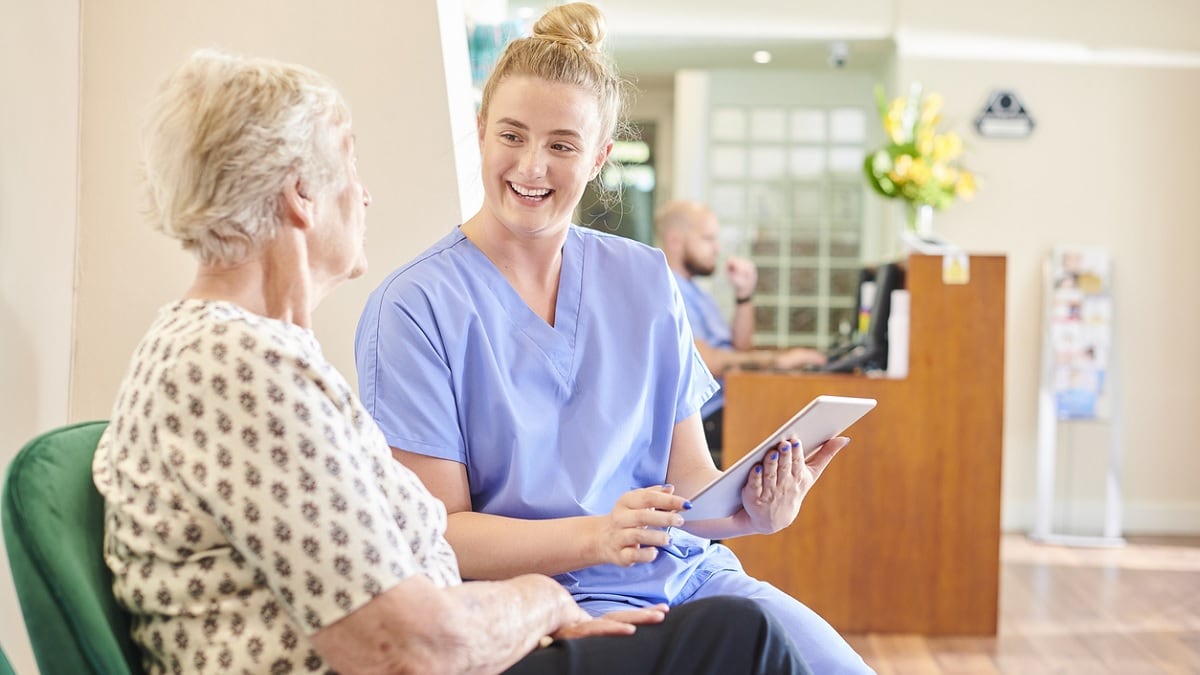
(1079,382)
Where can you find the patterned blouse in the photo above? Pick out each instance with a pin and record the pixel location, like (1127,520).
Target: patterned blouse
(250,500)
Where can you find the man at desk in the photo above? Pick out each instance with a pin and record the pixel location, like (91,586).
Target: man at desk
(688,233)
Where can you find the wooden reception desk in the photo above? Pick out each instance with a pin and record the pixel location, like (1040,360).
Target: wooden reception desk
(902,532)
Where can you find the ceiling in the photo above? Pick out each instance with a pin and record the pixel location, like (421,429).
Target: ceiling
(649,58)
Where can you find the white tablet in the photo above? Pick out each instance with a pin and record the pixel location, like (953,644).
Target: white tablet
(822,419)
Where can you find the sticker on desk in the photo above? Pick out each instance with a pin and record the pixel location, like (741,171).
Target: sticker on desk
(956,268)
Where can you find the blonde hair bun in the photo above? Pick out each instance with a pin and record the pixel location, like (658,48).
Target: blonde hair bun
(577,24)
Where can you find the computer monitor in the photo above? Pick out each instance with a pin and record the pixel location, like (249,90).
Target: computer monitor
(874,300)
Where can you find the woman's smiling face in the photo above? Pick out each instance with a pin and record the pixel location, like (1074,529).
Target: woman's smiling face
(540,146)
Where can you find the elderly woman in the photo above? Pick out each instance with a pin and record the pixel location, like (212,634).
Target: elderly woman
(256,521)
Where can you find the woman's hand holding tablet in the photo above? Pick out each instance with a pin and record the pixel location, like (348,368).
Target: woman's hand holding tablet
(768,494)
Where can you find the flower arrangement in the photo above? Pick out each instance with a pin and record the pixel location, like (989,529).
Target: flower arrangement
(919,165)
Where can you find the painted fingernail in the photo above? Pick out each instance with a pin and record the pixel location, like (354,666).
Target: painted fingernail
(687,505)
(795,444)
(758,469)
(774,455)
(785,448)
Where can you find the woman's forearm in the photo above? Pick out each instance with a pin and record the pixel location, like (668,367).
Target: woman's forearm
(496,547)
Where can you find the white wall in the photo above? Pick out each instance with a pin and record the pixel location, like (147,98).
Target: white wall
(76,78)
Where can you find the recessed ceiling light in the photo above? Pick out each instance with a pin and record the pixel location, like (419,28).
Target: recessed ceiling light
(762,56)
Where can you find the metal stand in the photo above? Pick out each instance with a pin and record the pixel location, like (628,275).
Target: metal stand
(1048,427)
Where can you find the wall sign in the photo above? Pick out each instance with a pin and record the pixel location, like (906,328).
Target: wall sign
(1004,116)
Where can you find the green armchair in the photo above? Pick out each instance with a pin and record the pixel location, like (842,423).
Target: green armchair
(54,531)
(5,666)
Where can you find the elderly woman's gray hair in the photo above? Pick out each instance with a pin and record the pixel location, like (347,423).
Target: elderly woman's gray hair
(225,135)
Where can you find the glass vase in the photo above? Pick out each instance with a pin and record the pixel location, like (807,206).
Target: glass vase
(920,220)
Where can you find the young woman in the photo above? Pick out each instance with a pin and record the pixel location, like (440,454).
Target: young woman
(542,379)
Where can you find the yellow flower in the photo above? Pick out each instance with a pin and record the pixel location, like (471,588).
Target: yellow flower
(946,147)
(965,187)
(919,164)
(892,126)
(919,173)
(945,175)
(900,167)
(931,106)
(925,141)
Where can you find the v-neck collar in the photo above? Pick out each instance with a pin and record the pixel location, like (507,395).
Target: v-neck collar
(556,342)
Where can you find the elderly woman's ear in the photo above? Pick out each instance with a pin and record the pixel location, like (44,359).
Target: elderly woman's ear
(297,205)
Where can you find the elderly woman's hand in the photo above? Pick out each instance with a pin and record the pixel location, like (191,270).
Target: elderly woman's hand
(623,622)
(772,496)
(637,525)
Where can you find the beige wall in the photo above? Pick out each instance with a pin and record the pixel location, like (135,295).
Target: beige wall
(384,56)
(1105,166)
(77,77)
(655,102)
(39,75)
(1113,88)
(1082,24)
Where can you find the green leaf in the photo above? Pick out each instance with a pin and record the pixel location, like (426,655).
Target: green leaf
(877,183)
(881,101)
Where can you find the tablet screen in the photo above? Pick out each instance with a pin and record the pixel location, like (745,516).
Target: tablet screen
(822,419)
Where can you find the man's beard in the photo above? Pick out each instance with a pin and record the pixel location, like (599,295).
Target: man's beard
(698,269)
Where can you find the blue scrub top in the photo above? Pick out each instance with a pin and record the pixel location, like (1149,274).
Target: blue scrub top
(550,421)
(709,325)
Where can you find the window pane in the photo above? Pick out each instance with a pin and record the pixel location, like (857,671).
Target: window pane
(808,162)
(847,125)
(768,204)
(728,161)
(807,203)
(802,319)
(768,280)
(803,281)
(845,205)
(844,245)
(846,160)
(767,243)
(765,319)
(808,125)
(768,163)
(843,282)
(767,124)
(728,124)
(729,201)
(805,244)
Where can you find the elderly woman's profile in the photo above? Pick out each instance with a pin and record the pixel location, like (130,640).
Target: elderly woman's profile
(255,519)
